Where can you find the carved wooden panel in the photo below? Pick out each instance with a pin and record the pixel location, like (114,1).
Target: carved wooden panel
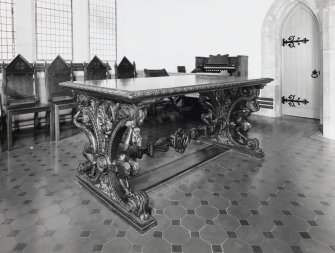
(59,65)
(18,83)
(58,71)
(125,69)
(95,70)
(19,66)
(20,87)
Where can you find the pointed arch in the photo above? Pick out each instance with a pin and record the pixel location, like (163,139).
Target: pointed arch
(271,45)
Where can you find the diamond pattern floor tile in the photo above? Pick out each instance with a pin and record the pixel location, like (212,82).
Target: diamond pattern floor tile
(234,203)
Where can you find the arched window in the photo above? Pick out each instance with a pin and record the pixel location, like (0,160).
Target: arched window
(102,29)
(54,29)
(7,48)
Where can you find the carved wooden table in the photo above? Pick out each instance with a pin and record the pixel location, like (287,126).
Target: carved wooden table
(110,114)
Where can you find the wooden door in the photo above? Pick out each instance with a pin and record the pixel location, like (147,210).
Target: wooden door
(301,85)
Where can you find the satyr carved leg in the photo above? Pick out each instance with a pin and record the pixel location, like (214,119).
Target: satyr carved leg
(226,117)
(115,144)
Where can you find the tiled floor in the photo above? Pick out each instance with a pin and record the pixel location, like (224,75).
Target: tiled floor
(283,203)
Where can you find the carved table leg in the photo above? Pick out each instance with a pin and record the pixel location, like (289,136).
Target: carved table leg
(226,117)
(113,131)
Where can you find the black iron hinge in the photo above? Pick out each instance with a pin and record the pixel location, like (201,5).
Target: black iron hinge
(292,101)
(291,41)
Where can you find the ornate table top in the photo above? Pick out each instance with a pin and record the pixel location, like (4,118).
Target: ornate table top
(139,89)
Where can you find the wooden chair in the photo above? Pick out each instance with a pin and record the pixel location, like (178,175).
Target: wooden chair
(172,101)
(96,70)
(155,72)
(181,69)
(125,69)
(20,93)
(60,98)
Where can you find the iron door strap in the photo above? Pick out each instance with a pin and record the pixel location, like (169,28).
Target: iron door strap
(315,73)
(291,41)
(292,101)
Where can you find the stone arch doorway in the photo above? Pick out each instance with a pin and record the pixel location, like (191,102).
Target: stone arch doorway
(272,48)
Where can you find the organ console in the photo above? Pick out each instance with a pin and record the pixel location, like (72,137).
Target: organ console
(233,65)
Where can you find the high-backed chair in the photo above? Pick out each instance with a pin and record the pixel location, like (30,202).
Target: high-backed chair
(20,93)
(60,98)
(181,69)
(155,72)
(125,69)
(173,101)
(96,70)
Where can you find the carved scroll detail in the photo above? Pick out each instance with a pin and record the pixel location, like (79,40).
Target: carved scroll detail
(226,117)
(113,133)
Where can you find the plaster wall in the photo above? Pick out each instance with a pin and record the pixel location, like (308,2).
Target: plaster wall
(164,34)
(329,69)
